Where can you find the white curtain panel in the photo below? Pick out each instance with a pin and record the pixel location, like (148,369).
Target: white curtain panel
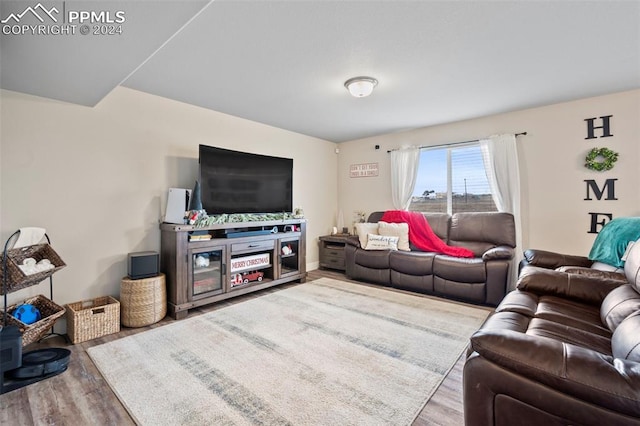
(404,172)
(500,156)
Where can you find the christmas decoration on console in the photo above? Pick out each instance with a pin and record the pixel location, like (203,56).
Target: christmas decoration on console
(600,159)
(204,220)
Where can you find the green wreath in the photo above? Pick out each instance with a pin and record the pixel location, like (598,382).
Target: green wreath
(600,159)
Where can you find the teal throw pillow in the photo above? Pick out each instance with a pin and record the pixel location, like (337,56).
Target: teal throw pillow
(612,240)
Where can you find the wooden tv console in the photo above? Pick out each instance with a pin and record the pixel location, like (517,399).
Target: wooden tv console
(238,258)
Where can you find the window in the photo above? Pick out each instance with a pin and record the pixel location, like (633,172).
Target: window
(452,180)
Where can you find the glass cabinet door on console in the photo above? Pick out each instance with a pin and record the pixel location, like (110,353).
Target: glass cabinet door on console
(206,272)
(289,256)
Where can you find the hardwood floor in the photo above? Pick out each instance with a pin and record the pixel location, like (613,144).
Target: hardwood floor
(80,396)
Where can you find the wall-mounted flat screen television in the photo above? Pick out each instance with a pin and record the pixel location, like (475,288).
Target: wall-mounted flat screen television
(241,182)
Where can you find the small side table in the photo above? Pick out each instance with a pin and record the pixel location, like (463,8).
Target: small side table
(332,251)
(144,301)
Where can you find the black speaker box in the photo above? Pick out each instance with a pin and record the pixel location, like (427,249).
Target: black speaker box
(143,264)
(10,348)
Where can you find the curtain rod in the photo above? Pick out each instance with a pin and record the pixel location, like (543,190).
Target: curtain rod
(453,143)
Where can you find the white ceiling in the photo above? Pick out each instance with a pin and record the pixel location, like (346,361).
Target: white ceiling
(283,63)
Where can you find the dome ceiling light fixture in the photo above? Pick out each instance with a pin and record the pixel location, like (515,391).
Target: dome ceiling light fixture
(360,87)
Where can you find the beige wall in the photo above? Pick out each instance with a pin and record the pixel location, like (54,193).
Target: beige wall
(97,178)
(555,214)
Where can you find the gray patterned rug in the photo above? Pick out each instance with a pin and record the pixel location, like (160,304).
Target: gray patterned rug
(322,353)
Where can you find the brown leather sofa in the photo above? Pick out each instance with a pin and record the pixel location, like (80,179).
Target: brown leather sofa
(482,279)
(564,348)
(570,263)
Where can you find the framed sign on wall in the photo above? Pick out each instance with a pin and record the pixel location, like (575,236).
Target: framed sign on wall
(363,170)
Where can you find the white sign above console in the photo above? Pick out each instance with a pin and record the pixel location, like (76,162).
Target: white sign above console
(363,170)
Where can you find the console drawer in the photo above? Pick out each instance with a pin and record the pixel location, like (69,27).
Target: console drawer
(333,251)
(333,262)
(253,246)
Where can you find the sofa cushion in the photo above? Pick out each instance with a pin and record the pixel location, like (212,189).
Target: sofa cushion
(372,275)
(625,342)
(440,224)
(472,292)
(464,270)
(521,302)
(374,259)
(481,231)
(571,314)
(593,272)
(381,242)
(417,283)
(575,336)
(582,288)
(364,229)
(619,304)
(412,263)
(566,312)
(507,321)
(553,260)
(400,230)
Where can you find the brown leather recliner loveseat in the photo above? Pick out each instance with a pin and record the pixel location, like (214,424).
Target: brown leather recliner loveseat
(483,279)
(564,348)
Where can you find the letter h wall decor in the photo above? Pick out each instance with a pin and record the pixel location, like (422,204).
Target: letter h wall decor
(599,160)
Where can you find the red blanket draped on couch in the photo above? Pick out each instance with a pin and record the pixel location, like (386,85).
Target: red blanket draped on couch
(421,235)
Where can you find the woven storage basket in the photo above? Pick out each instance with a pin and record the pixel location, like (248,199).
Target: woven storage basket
(144,301)
(16,279)
(49,312)
(89,319)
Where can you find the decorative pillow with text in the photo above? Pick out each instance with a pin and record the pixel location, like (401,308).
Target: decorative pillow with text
(381,242)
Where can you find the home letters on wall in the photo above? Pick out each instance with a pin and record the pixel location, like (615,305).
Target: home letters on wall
(598,219)
(606,127)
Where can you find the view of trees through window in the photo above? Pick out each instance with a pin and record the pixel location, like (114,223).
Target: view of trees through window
(452,180)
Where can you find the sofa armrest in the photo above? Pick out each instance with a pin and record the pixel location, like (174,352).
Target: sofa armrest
(552,260)
(584,288)
(585,374)
(498,253)
(353,240)
(593,273)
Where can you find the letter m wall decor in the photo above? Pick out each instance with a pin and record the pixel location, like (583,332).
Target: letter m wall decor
(599,128)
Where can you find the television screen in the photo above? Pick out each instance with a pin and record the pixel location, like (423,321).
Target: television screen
(240,182)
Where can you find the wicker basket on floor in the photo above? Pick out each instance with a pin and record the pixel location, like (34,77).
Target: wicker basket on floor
(16,279)
(49,312)
(143,301)
(94,318)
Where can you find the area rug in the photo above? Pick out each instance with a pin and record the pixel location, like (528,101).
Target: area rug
(326,352)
